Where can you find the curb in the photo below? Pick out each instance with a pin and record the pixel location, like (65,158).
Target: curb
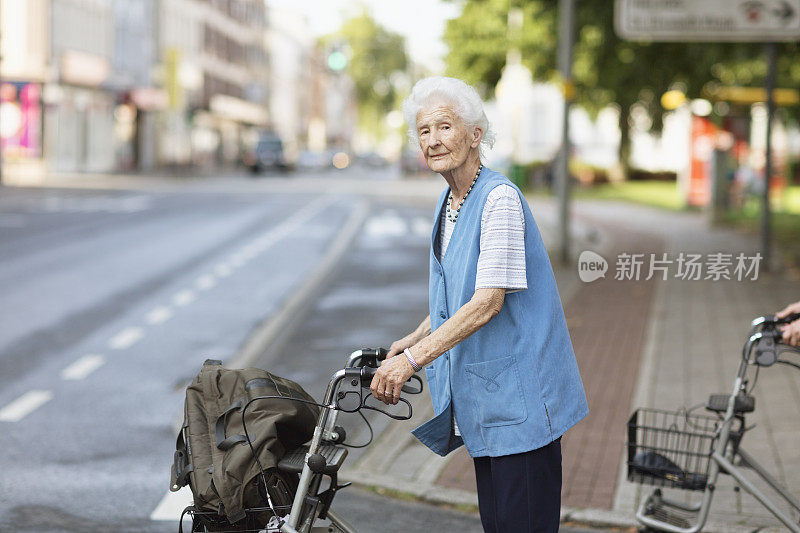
(468,501)
(268,337)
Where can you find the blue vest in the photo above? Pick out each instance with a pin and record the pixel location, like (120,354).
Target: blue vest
(513,386)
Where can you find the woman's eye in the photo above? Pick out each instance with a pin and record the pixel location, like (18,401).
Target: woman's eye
(445,127)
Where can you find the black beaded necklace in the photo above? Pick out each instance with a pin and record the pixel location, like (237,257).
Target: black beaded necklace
(450,216)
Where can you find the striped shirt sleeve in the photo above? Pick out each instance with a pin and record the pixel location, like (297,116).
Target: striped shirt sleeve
(501,263)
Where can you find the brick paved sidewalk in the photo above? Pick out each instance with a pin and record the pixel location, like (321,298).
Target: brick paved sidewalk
(695,341)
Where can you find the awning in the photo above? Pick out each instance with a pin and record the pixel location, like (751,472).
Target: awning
(238,110)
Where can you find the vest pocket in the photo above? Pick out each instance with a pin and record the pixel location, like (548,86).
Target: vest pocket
(430,374)
(497,390)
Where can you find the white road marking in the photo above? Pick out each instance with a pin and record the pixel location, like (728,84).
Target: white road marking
(386,226)
(223,270)
(107,204)
(250,251)
(305,213)
(205,282)
(126,338)
(260,244)
(263,242)
(172,504)
(25,405)
(421,227)
(134,204)
(83,367)
(159,315)
(185,297)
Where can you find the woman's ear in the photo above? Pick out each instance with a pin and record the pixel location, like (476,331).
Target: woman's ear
(477,135)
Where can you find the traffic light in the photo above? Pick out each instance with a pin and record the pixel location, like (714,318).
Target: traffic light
(337,61)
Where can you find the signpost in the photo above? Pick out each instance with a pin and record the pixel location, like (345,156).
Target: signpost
(767,21)
(566,37)
(708,20)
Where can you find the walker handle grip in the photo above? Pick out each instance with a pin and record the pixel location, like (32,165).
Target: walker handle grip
(373,355)
(787,319)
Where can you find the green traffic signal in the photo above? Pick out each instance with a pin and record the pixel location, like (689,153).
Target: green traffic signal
(337,60)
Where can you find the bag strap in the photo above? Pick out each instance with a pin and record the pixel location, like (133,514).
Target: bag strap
(210,377)
(222,442)
(182,464)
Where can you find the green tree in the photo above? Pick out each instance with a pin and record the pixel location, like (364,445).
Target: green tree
(478,41)
(374,55)
(606,69)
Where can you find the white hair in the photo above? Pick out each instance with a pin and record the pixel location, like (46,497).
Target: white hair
(465,100)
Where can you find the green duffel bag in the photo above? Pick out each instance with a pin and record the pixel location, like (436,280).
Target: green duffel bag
(213,455)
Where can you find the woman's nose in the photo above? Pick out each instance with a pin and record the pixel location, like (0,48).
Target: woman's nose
(433,139)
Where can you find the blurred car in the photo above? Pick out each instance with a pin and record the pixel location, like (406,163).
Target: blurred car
(372,159)
(267,153)
(412,161)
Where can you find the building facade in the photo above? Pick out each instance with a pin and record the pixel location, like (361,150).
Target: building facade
(124,85)
(24,61)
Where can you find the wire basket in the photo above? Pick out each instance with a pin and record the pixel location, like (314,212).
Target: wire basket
(670,448)
(256,520)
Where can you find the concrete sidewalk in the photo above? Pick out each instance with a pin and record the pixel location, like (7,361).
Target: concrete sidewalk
(662,343)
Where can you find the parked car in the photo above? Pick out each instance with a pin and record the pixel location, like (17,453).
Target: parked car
(412,161)
(267,153)
(372,159)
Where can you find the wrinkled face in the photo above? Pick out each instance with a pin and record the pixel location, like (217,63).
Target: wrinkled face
(444,138)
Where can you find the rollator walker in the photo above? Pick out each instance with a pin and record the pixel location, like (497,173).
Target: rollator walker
(688,451)
(310,511)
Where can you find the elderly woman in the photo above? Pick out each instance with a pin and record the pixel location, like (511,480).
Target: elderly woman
(499,361)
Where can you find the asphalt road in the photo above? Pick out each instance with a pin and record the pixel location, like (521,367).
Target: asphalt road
(112,298)
(111,301)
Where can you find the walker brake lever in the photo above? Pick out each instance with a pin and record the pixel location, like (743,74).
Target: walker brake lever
(396,417)
(409,389)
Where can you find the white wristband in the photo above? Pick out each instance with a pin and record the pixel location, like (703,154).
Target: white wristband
(411,360)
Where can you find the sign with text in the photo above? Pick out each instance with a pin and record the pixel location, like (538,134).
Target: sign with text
(708,20)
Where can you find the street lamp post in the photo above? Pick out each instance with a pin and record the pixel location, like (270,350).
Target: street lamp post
(566,15)
(765,207)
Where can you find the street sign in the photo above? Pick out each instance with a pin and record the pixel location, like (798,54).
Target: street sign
(708,20)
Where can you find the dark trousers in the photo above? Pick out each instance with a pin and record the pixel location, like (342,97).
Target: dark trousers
(520,493)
